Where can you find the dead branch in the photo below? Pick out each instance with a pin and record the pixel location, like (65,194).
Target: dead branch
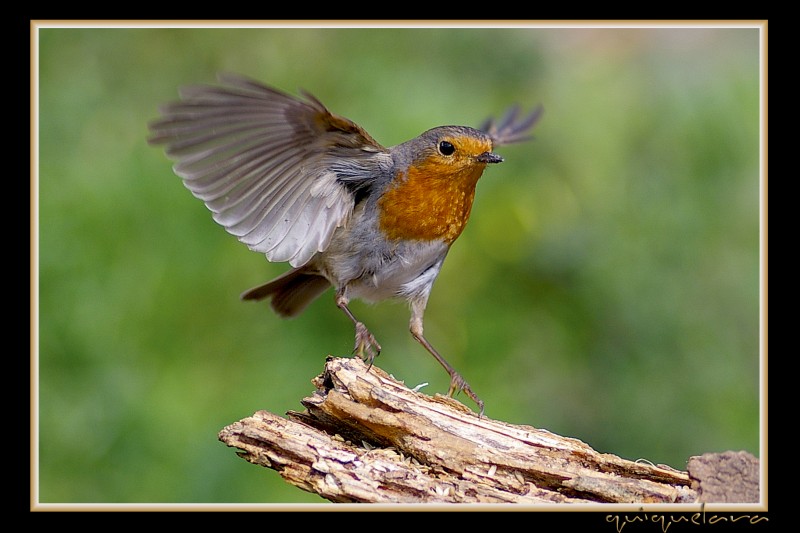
(365,437)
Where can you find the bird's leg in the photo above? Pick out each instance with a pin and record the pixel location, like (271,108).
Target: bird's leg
(366,346)
(457,383)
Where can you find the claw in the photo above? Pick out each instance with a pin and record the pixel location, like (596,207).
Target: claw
(458,384)
(366,345)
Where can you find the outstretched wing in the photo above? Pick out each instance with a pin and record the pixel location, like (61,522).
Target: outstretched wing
(278,172)
(511,128)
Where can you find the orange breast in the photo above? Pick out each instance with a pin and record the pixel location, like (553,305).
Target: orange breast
(429,202)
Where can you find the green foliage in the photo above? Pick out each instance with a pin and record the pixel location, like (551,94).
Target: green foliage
(606,287)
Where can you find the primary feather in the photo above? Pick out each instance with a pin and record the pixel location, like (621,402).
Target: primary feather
(266,163)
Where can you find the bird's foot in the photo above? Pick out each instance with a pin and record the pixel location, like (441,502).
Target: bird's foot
(458,384)
(366,347)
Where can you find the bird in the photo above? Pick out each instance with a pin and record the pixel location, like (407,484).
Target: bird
(294,181)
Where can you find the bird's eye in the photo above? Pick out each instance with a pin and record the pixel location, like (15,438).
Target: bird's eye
(445,148)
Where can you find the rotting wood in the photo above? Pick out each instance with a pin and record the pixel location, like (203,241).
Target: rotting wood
(728,477)
(365,437)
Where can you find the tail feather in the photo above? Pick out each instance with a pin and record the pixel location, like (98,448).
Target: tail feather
(291,292)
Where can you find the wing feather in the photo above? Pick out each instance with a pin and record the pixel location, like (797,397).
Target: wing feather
(268,164)
(511,128)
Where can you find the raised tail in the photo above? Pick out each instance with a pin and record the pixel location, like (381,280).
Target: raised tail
(290,292)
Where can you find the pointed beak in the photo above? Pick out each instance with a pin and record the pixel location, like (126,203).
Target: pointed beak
(489,157)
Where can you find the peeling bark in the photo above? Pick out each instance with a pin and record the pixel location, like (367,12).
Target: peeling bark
(365,437)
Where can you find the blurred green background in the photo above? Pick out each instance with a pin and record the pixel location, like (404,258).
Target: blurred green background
(606,287)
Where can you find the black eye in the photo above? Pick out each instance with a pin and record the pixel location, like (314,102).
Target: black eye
(445,148)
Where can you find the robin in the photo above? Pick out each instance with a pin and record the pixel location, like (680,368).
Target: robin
(302,185)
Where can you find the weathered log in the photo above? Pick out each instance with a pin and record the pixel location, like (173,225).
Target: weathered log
(366,437)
